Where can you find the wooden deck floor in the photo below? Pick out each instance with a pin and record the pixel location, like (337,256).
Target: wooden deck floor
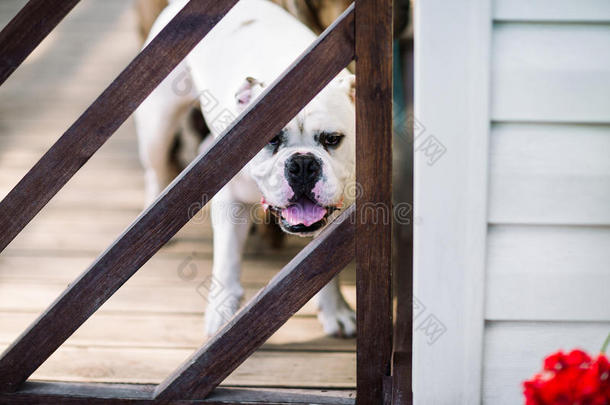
(156,320)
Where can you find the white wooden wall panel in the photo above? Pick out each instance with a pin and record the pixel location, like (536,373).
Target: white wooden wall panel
(552,10)
(550,174)
(452,42)
(514,352)
(542,263)
(551,72)
(548,273)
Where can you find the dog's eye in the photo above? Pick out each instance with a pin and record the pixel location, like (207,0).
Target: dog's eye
(275,141)
(331,139)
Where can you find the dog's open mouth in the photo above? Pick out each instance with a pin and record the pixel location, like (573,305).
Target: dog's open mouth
(303,216)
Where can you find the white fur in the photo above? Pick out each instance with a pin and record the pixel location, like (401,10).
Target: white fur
(260,40)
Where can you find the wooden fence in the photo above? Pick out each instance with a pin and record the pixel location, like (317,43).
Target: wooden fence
(362,33)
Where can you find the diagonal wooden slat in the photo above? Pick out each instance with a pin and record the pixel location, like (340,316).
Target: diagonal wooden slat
(374,202)
(107,113)
(27,30)
(329,54)
(285,294)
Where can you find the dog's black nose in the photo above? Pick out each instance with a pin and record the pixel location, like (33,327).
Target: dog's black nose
(303,171)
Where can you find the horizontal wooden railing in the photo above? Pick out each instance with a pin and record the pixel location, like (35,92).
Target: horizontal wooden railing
(65,393)
(282,100)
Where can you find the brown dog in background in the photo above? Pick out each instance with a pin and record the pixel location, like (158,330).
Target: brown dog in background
(316,14)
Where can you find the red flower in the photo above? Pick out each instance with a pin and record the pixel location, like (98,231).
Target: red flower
(570,379)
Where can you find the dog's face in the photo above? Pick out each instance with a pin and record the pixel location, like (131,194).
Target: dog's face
(305,170)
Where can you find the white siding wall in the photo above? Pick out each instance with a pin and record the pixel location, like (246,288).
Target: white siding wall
(544,281)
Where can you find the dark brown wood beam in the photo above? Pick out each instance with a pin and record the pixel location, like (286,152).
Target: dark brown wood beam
(374,203)
(285,294)
(27,30)
(44,393)
(106,114)
(282,100)
(403,267)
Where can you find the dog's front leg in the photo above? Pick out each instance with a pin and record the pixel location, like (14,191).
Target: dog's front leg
(335,314)
(231,222)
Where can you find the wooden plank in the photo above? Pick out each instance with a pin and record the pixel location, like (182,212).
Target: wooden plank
(70,231)
(49,236)
(20,157)
(90,245)
(402,377)
(514,352)
(532,269)
(452,106)
(286,293)
(151,366)
(593,11)
(374,177)
(262,369)
(77,223)
(39,140)
(27,29)
(188,298)
(179,331)
(180,247)
(402,362)
(106,114)
(76,232)
(106,394)
(40,131)
(551,72)
(92,178)
(125,198)
(549,174)
(160,270)
(327,56)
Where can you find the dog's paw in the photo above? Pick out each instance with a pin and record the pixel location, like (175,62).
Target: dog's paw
(338,322)
(219,312)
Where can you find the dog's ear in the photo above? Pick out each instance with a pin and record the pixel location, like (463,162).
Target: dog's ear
(248,91)
(348,84)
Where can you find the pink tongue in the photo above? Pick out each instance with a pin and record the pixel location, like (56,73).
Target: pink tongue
(304,212)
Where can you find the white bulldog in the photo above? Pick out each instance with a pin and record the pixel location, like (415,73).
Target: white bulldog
(301,175)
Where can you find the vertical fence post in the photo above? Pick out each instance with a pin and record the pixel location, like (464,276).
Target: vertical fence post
(374,203)
(403,232)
